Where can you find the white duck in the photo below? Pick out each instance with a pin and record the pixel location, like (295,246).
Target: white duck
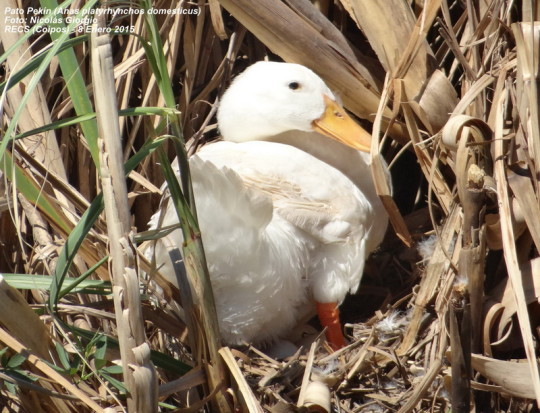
(287,216)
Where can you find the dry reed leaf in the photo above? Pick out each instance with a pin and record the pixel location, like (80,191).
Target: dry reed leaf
(493,232)
(502,298)
(307,374)
(370,68)
(472,93)
(248,399)
(426,160)
(510,254)
(452,132)
(190,57)
(440,94)
(317,398)
(527,210)
(386,25)
(217,19)
(191,379)
(145,183)
(513,377)
(22,322)
(527,36)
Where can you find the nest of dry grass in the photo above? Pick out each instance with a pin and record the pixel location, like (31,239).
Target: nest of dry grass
(446,317)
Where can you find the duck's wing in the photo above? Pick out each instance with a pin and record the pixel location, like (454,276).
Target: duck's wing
(229,193)
(231,216)
(257,260)
(317,200)
(308,193)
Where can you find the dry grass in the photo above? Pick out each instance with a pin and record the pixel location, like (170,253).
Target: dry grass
(450,90)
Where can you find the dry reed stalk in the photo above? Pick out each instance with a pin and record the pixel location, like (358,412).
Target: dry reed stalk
(138,370)
(459,319)
(473,167)
(307,375)
(422,387)
(531,11)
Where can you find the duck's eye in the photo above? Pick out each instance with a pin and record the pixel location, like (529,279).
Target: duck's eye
(294,85)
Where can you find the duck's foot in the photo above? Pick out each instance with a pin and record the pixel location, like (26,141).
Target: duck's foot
(329,317)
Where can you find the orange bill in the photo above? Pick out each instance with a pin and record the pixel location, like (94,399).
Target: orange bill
(329,317)
(338,125)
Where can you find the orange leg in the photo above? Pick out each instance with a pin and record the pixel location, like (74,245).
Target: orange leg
(329,317)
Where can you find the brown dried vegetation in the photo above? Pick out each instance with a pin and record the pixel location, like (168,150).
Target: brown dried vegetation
(447,315)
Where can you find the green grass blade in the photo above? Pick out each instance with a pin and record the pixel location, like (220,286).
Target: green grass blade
(35,61)
(156,58)
(72,285)
(159,359)
(13,172)
(187,220)
(158,63)
(72,245)
(154,234)
(60,39)
(148,148)
(43,282)
(75,83)
(62,123)
(184,201)
(79,233)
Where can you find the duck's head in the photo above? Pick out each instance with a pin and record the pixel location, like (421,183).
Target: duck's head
(270,98)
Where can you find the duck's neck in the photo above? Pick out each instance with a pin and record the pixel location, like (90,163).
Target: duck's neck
(354,164)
